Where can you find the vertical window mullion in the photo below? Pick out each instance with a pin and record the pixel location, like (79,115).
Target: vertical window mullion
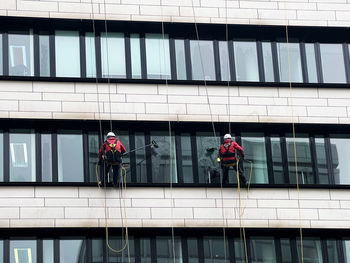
(36,54)
(329,159)
(231,249)
(56,250)
(324,250)
(304,62)
(52,53)
(5,53)
(178,150)
(172,58)
(248,249)
(38,158)
(314,159)
(89,250)
(318,63)
(39,250)
(137,246)
(86,156)
(278,249)
(260,61)
(82,54)
(188,59)
(184,248)
(217,61)
(6,156)
(346,61)
(153,250)
(231,60)
(275,61)
(143,56)
(128,57)
(54,157)
(98,54)
(340,251)
(6,250)
(269,160)
(293,249)
(200,250)
(194,158)
(285,159)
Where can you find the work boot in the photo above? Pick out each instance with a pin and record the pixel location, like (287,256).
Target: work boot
(242,181)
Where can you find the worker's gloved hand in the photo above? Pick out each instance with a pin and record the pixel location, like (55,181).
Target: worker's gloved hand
(99,162)
(218,159)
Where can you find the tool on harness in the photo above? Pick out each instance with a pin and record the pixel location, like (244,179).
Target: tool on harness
(152,144)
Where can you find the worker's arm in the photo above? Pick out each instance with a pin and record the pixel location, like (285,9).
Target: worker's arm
(122,148)
(239,148)
(219,152)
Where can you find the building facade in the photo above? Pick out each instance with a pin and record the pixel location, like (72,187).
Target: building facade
(181,73)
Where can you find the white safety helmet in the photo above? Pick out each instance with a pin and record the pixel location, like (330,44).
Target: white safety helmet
(110,134)
(227,136)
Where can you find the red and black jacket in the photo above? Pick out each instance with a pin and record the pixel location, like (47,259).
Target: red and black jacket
(228,153)
(106,147)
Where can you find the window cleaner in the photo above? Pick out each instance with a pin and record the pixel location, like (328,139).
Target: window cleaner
(227,157)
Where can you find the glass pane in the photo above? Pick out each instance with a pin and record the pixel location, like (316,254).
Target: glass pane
(340,148)
(1,58)
(321,160)
(2,251)
(311,63)
(161,158)
(277,160)
(268,62)
(262,249)
(166,249)
(311,250)
(294,62)
(346,248)
(44,49)
(90,55)
(186,153)
(22,156)
(332,251)
(123,136)
(23,251)
(158,56)
(240,251)
(215,250)
(332,54)
(202,60)
(255,151)
(70,156)
(285,250)
(246,61)
(1,157)
(304,161)
(48,251)
(135,56)
(127,255)
(192,247)
(97,250)
(145,250)
(141,169)
(46,157)
(72,251)
(67,52)
(207,152)
(180,59)
(113,55)
(93,154)
(224,61)
(21,50)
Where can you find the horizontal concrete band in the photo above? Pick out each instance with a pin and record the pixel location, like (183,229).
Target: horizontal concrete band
(53,100)
(41,206)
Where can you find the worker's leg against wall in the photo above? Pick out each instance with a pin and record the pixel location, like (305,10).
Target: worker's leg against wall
(225,171)
(116,174)
(241,172)
(105,174)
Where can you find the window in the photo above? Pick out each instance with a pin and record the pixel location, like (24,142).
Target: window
(215,250)
(180,59)
(340,148)
(268,62)
(166,249)
(289,68)
(113,55)
(224,61)
(97,250)
(241,250)
(332,251)
(135,56)
(277,160)
(321,160)
(311,250)
(90,54)
(162,166)
(186,154)
(255,151)
(332,54)
(192,248)
(23,251)
(145,250)
(46,157)
(126,254)
(246,61)
(72,251)
(94,148)
(262,249)
(2,251)
(158,56)
(1,156)
(48,251)
(70,156)
(21,53)
(285,251)
(22,156)
(67,52)
(311,63)
(202,60)
(1,56)
(346,248)
(141,169)
(44,57)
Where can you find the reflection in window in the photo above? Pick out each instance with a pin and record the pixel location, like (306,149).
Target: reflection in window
(67,52)
(215,250)
(332,54)
(340,148)
(21,53)
(162,165)
(332,251)
(180,59)
(72,251)
(285,251)
(46,157)
(293,51)
(70,156)
(240,250)
(268,63)
(23,251)
(123,136)
(1,58)
(304,161)
(224,61)
(311,250)
(192,248)
(262,249)
(90,55)
(158,56)
(202,60)
(166,249)
(135,56)
(93,154)
(97,250)
(246,61)
(127,255)
(346,248)
(145,250)
(255,151)
(48,251)
(186,154)
(1,157)
(113,55)
(207,151)
(311,63)
(321,160)
(22,156)
(141,169)
(44,50)
(277,160)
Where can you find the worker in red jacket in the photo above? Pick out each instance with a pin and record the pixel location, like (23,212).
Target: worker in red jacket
(110,155)
(227,157)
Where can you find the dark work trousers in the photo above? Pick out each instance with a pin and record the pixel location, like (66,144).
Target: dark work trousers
(107,167)
(225,172)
